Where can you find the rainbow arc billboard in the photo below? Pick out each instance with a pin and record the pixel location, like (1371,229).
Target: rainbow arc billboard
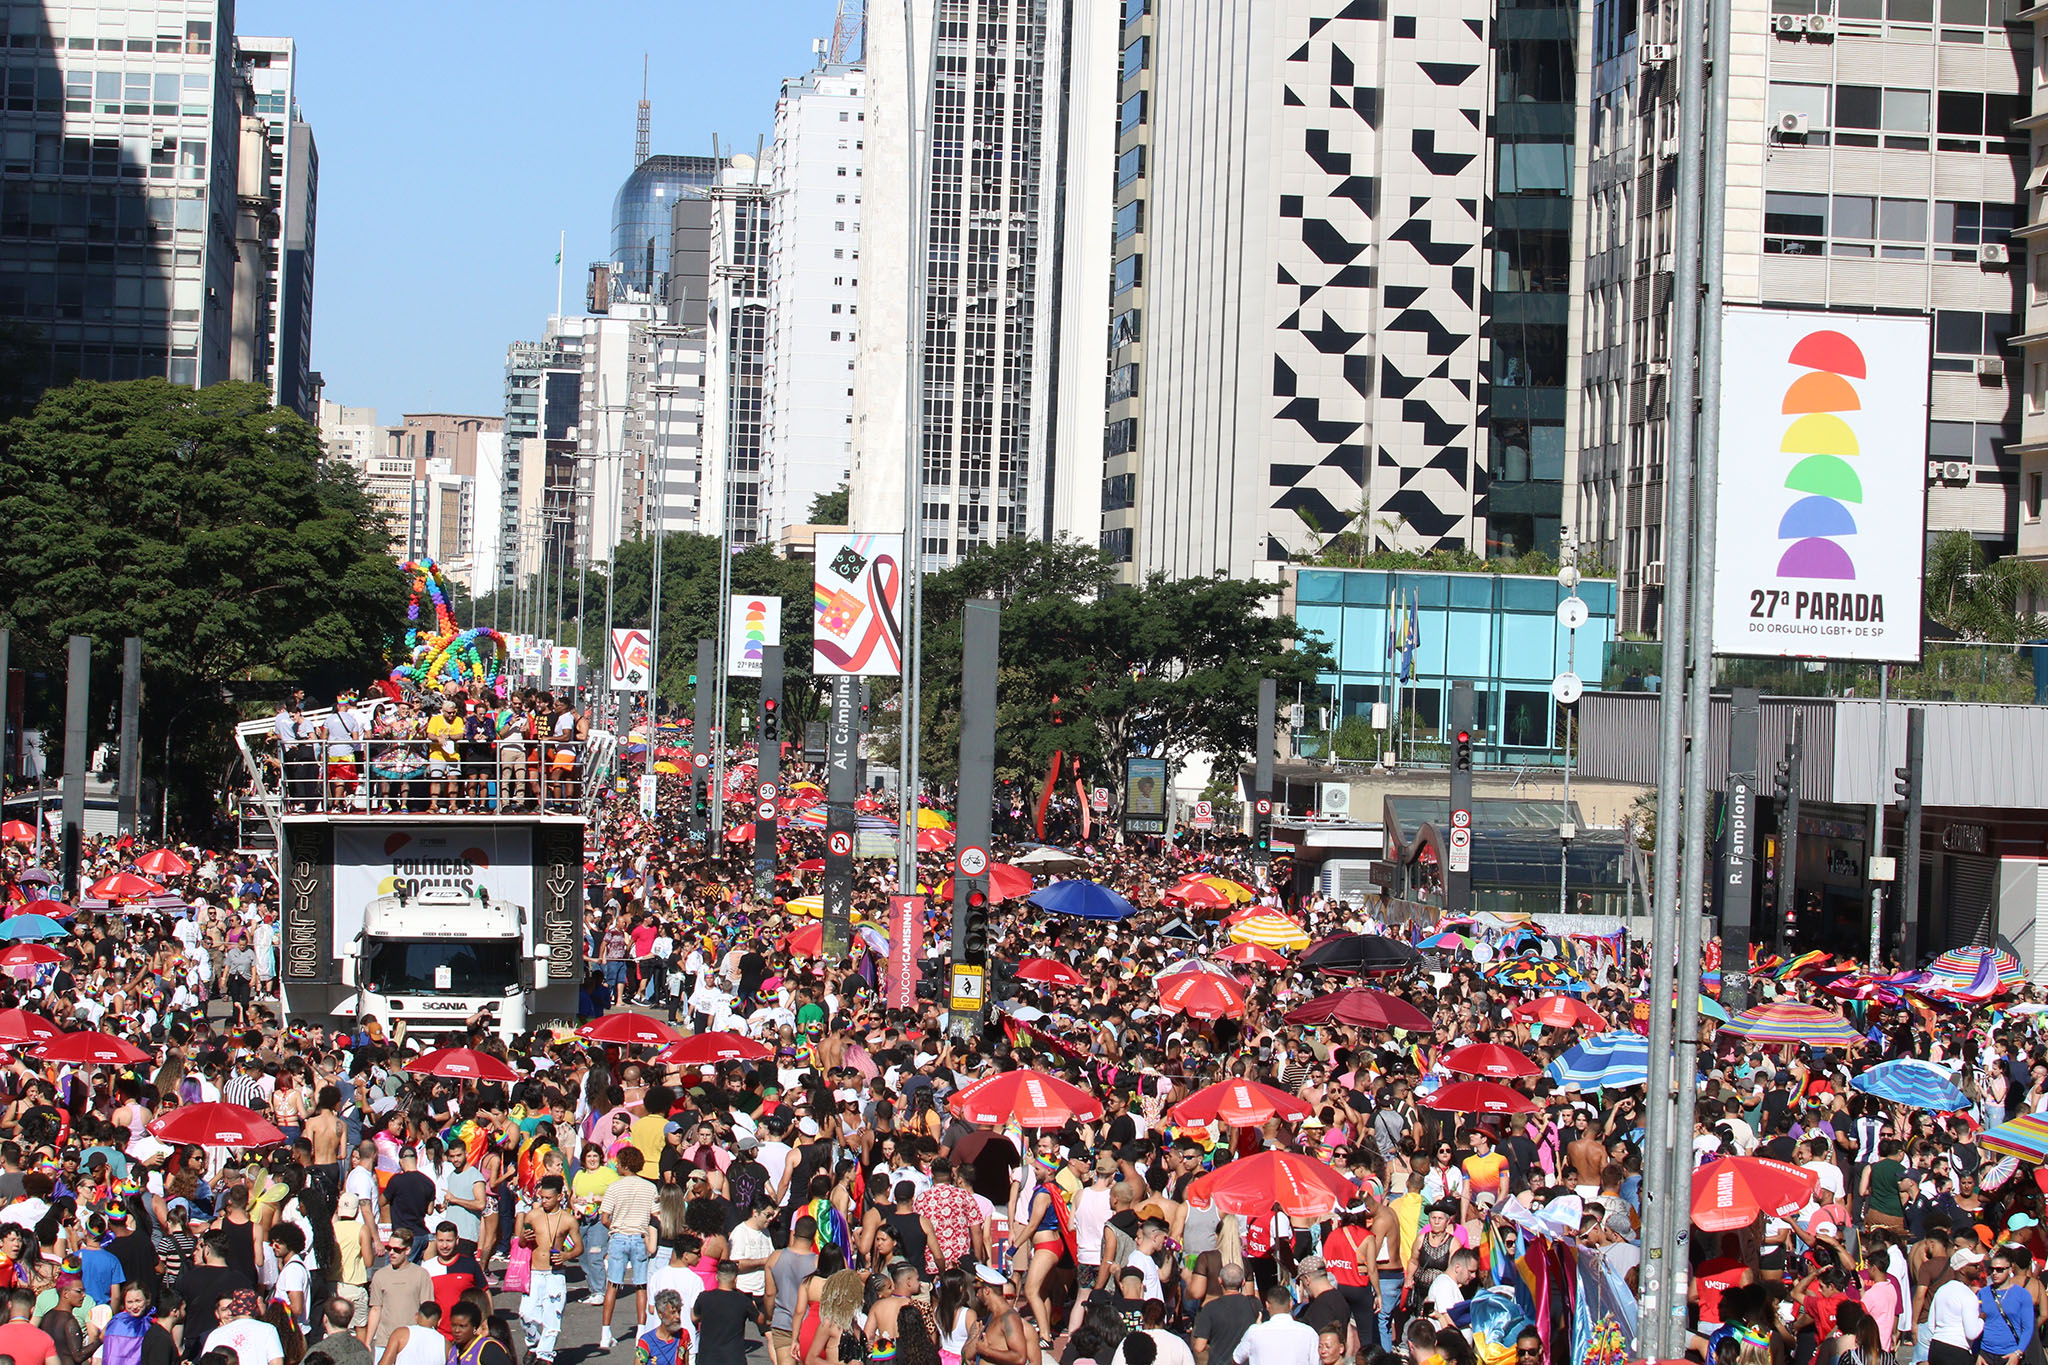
(1823,487)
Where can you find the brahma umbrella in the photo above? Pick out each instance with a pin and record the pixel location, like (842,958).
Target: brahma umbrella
(935,840)
(808,941)
(88,1047)
(1359,954)
(1196,895)
(1362,1008)
(1029,1099)
(20,1026)
(31,955)
(704,1049)
(1729,1193)
(627,1029)
(1251,955)
(1489,1059)
(1202,996)
(462,1064)
(216,1124)
(1299,1186)
(1083,900)
(18,832)
(1005,883)
(163,863)
(1479,1097)
(1239,1104)
(1046,972)
(124,886)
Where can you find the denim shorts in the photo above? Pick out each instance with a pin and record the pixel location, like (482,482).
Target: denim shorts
(625,1259)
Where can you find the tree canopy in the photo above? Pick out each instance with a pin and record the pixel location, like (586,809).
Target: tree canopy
(1981,599)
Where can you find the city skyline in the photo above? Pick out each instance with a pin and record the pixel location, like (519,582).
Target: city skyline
(447,351)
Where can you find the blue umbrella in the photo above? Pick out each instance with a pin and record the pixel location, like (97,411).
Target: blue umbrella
(1605,1061)
(1914,1083)
(30,926)
(1083,899)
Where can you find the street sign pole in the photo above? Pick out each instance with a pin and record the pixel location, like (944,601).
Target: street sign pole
(1262,781)
(968,998)
(842,738)
(1738,858)
(1458,856)
(700,746)
(768,772)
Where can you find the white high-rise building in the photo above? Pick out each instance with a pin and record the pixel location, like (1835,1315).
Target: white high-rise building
(1016,207)
(813,275)
(292,174)
(736,331)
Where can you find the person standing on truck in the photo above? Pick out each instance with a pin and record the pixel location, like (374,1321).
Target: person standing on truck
(444,759)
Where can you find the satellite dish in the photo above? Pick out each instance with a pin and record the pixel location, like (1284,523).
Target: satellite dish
(1567,688)
(1573,613)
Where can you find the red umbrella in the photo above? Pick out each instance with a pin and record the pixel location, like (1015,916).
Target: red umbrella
(88,1048)
(124,886)
(1730,1193)
(163,863)
(740,834)
(1201,995)
(1030,1099)
(216,1125)
(1005,883)
(1196,895)
(31,955)
(462,1064)
(629,1030)
(1239,1104)
(53,909)
(1302,1186)
(702,1049)
(1363,1008)
(1046,972)
(1479,1097)
(1250,954)
(1560,1011)
(1489,1059)
(934,840)
(18,832)
(808,941)
(19,1026)
(811,865)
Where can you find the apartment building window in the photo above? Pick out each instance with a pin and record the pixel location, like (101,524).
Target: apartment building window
(1119,491)
(1960,337)
(2033,497)
(1795,224)
(1959,228)
(1137,57)
(1131,114)
(1130,273)
(1897,113)
(1130,166)
(1130,218)
(1117,544)
(1981,443)
(1973,121)
(2037,386)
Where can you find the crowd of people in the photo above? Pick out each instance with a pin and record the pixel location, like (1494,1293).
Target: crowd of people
(820,1197)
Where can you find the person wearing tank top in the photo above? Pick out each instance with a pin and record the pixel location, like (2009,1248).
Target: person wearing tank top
(419,1343)
(789,1268)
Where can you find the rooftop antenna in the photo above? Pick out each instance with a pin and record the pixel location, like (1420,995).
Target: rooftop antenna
(643,132)
(850,33)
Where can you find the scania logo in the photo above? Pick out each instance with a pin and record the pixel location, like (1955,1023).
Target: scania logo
(444,1006)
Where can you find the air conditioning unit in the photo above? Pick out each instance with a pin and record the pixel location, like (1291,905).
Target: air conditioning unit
(1653,574)
(1955,471)
(1658,369)
(1993,253)
(1790,23)
(1820,26)
(1668,148)
(1793,125)
(1991,367)
(1333,800)
(1656,54)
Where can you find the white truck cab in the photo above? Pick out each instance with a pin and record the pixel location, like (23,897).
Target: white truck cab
(437,957)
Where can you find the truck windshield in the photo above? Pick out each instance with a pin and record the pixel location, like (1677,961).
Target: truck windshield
(474,967)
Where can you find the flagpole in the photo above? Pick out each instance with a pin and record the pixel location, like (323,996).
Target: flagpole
(561,245)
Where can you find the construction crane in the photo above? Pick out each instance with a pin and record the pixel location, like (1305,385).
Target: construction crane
(849,33)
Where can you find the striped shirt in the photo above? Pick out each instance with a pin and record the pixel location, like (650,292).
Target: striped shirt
(628,1206)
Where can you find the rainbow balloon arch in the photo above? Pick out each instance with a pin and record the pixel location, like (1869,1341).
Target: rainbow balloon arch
(445,657)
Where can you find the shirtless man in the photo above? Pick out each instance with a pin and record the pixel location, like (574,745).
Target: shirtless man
(1588,1157)
(550,1229)
(324,1129)
(884,1319)
(1001,1338)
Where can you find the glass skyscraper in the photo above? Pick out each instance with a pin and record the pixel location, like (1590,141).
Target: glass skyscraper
(641,215)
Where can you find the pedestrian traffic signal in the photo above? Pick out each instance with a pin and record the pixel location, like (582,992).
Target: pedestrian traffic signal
(1461,754)
(771,720)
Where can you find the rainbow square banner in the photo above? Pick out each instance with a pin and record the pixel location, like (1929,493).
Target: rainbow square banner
(856,589)
(1823,510)
(753,623)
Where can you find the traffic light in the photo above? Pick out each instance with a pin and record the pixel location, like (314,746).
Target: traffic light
(1461,753)
(771,721)
(974,938)
(702,798)
(1781,780)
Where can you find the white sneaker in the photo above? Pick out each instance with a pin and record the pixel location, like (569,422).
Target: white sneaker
(604,1339)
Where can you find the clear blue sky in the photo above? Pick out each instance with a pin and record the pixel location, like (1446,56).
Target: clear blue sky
(458,137)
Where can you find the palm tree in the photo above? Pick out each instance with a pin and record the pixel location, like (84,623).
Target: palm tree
(1980,599)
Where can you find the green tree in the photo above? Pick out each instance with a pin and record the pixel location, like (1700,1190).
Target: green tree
(830,509)
(1991,600)
(207,523)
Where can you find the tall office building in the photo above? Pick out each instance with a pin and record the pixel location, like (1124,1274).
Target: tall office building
(119,149)
(736,340)
(642,212)
(1874,166)
(2032,358)
(291,181)
(1014,195)
(1340,289)
(813,277)
(537,494)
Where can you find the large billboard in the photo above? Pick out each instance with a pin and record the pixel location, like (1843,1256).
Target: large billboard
(858,588)
(1145,796)
(376,860)
(754,623)
(629,663)
(1823,486)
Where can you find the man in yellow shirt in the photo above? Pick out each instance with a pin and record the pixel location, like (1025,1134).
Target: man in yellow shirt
(444,758)
(649,1131)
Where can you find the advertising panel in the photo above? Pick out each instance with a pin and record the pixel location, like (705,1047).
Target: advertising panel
(377,860)
(754,623)
(629,661)
(1823,485)
(1145,796)
(858,586)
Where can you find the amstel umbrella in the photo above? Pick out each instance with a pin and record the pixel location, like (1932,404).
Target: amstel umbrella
(462,1064)
(1029,1099)
(1489,1059)
(1270,931)
(1046,972)
(1730,1193)
(1907,1080)
(1362,1008)
(90,1048)
(1239,1104)
(163,863)
(1359,954)
(216,1125)
(19,1026)
(703,1049)
(1479,1097)
(1301,1186)
(1789,1021)
(628,1029)
(1251,955)
(1202,996)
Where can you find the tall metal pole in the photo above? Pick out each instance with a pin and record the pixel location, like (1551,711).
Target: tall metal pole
(969,996)
(128,794)
(700,745)
(1262,780)
(1876,843)
(1738,869)
(842,742)
(768,772)
(1909,869)
(77,702)
(7,710)
(1661,1210)
(1788,831)
(910,714)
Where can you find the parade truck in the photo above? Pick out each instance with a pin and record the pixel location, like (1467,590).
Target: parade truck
(437,958)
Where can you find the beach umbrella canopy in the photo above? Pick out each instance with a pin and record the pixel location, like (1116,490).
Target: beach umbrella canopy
(1239,1104)
(216,1125)
(1479,1097)
(1489,1059)
(1082,899)
(30,955)
(2025,1137)
(20,1026)
(811,865)
(1251,954)
(462,1064)
(124,886)
(627,1029)
(1605,1061)
(934,840)
(90,1048)
(1046,972)
(34,876)
(667,769)
(741,833)
(1274,931)
(163,863)
(1193,964)
(1300,1186)
(703,1049)
(1913,1083)
(1361,1008)
(1958,968)
(1202,996)
(1729,1193)
(1196,894)
(1789,1021)
(1029,1099)
(1359,954)
(1049,860)
(808,941)
(18,832)
(21,927)
(813,906)
(1005,883)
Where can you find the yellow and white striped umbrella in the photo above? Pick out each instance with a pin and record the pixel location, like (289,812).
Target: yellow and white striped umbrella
(1274,931)
(813,907)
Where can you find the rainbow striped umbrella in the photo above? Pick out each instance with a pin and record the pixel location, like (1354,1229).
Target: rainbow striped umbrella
(1958,967)
(2025,1137)
(1788,1021)
(1270,931)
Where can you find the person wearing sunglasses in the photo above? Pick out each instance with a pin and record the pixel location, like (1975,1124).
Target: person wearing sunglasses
(2008,1312)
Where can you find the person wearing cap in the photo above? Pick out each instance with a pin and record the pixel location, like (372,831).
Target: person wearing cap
(1001,1337)
(355,1245)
